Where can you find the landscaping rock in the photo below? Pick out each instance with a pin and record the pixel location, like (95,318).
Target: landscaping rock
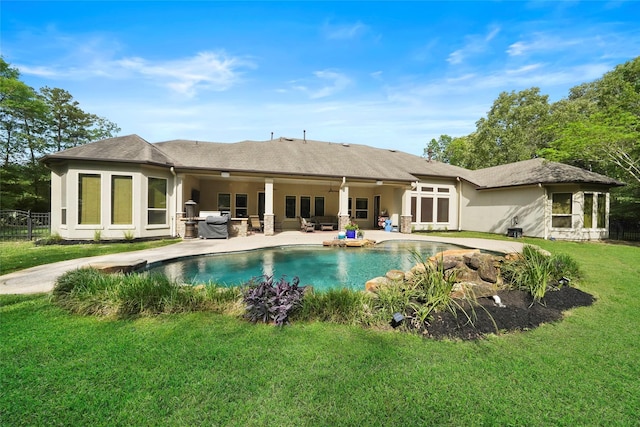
(118,267)
(395,275)
(374,284)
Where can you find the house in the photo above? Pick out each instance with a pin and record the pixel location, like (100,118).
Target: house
(126,186)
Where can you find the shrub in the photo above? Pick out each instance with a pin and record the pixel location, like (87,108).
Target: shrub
(431,290)
(89,291)
(391,298)
(268,301)
(336,305)
(536,272)
(84,291)
(145,293)
(128,235)
(562,265)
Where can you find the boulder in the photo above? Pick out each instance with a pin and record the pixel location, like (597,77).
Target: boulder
(453,252)
(374,284)
(395,275)
(118,266)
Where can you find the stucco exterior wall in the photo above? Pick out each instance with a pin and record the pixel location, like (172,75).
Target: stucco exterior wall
(452,189)
(65,194)
(578,231)
(495,211)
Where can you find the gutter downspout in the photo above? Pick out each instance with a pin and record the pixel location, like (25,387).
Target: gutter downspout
(459,203)
(546,211)
(175,202)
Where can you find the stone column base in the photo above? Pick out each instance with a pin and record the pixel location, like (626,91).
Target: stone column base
(269,226)
(405,224)
(343,220)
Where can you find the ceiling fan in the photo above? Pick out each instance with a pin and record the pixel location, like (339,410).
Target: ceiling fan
(331,190)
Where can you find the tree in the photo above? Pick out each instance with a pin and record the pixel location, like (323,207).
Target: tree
(603,124)
(21,113)
(437,149)
(33,124)
(515,129)
(68,125)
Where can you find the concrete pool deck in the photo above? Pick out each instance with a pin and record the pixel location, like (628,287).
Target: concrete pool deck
(42,278)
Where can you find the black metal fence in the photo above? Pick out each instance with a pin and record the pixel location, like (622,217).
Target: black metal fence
(624,231)
(24,225)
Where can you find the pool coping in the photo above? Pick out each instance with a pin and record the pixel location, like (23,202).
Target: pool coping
(41,279)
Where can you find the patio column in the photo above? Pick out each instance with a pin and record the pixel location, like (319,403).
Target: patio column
(405,216)
(269,217)
(176,212)
(343,210)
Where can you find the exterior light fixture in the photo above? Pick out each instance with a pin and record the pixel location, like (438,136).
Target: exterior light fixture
(397,320)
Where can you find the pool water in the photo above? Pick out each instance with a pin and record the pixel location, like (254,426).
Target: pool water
(322,267)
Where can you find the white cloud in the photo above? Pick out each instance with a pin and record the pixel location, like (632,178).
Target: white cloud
(204,71)
(345,32)
(329,82)
(474,44)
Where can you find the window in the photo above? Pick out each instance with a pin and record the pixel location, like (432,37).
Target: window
(414,209)
(588,211)
(290,206)
(426,209)
(63,201)
(319,206)
(362,208)
(224,202)
(89,199)
(561,210)
(443,209)
(157,201)
(602,211)
(305,206)
(431,205)
(241,206)
(121,200)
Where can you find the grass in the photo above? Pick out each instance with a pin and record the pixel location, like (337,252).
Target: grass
(16,256)
(207,368)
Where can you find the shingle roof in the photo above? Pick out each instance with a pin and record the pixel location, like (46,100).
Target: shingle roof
(305,157)
(317,158)
(129,149)
(537,171)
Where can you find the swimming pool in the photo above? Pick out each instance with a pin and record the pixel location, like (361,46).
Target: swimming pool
(321,267)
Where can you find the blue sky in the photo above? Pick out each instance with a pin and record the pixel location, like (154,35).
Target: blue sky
(386,74)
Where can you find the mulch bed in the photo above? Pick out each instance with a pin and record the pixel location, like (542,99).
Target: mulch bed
(518,314)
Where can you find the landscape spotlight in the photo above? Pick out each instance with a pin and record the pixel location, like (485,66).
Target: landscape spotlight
(396,320)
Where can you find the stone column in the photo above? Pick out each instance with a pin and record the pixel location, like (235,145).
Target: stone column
(405,224)
(180,224)
(343,220)
(269,225)
(343,207)
(405,217)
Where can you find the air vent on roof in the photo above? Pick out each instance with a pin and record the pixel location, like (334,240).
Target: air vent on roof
(393,151)
(344,144)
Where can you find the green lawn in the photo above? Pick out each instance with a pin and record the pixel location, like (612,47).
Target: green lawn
(16,256)
(207,369)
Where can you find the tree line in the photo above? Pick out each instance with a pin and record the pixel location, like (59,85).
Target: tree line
(34,123)
(596,127)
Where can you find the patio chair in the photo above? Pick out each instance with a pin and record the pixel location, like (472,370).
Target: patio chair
(254,223)
(306,225)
